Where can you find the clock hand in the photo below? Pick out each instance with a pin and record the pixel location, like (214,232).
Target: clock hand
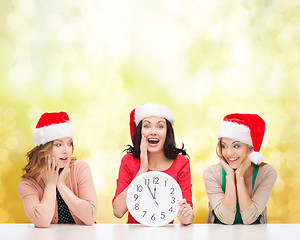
(154,195)
(151,192)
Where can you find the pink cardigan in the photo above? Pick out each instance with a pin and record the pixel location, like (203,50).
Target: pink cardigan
(80,182)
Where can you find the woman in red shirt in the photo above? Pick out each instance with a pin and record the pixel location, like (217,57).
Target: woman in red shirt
(154,148)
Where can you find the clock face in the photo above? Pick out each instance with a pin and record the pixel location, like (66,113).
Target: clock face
(152,198)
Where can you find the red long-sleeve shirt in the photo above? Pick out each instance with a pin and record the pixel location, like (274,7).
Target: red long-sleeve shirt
(179,170)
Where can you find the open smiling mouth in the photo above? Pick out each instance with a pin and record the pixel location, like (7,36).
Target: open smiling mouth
(233,159)
(153,141)
(63,159)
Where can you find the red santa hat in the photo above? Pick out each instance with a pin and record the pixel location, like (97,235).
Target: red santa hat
(52,126)
(246,128)
(148,110)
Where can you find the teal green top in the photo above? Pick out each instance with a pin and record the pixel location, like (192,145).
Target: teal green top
(238,217)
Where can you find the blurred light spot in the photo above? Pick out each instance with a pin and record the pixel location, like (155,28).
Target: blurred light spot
(79,76)
(4,163)
(26,7)
(280,185)
(54,82)
(4,215)
(3,154)
(9,124)
(241,50)
(12,143)
(20,75)
(10,113)
(2,127)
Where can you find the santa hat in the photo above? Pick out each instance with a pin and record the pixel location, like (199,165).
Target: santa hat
(246,128)
(148,110)
(52,126)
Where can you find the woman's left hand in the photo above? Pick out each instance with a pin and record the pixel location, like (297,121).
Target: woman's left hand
(63,175)
(242,168)
(185,213)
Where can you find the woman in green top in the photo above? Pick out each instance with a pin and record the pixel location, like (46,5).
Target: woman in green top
(240,138)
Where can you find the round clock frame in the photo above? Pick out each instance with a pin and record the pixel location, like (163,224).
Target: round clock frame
(152,198)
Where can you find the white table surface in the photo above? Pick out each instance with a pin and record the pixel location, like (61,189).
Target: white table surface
(136,231)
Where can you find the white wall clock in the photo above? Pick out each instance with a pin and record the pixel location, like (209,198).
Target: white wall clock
(152,198)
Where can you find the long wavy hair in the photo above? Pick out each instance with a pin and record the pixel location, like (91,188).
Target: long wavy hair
(36,165)
(170,149)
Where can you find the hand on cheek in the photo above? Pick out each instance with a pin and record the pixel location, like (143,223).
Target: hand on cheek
(51,172)
(63,175)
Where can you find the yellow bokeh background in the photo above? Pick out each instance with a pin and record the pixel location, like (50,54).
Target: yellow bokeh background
(99,59)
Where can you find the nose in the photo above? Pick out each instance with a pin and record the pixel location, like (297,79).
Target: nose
(230,151)
(66,149)
(153,131)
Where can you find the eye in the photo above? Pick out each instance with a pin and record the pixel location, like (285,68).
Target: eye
(161,126)
(236,146)
(223,146)
(57,144)
(146,126)
(71,144)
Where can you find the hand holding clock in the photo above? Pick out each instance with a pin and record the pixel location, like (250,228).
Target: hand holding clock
(185,213)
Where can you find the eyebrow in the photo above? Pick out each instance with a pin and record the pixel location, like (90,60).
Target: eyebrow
(231,143)
(160,121)
(58,140)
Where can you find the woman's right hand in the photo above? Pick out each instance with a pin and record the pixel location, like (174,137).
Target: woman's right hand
(51,172)
(143,157)
(226,167)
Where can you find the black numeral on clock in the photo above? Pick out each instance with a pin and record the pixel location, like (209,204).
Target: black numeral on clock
(155,180)
(173,200)
(135,197)
(153,217)
(139,188)
(147,181)
(136,206)
(144,213)
(162,215)
(171,209)
(172,190)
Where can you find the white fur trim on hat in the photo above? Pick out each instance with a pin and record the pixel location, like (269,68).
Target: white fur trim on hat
(54,131)
(152,110)
(235,131)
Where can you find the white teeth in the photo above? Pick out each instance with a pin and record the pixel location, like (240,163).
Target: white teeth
(153,140)
(233,159)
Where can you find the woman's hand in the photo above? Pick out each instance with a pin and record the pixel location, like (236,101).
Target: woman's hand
(63,175)
(50,179)
(51,173)
(185,213)
(242,168)
(144,156)
(229,171)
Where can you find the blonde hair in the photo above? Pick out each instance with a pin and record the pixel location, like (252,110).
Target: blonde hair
(36,165)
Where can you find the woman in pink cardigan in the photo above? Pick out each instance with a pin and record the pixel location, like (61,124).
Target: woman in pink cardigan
(55,187)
